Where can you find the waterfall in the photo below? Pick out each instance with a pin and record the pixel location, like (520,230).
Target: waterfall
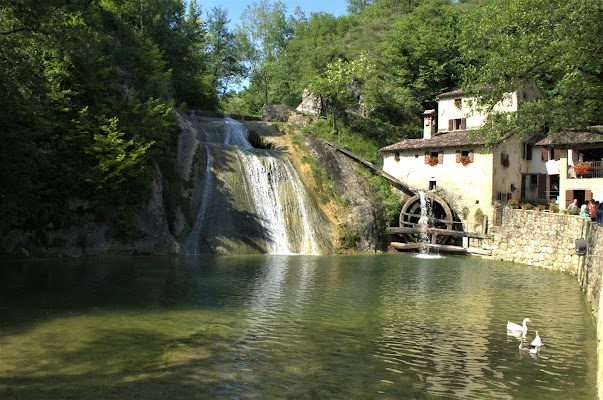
(250,200)
(191,245)
(426,216)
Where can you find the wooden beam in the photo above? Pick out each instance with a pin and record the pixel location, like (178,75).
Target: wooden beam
(401,185)
(441,247)
(432,219)
(437,231)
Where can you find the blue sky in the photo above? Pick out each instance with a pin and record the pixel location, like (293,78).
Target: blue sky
(236,7)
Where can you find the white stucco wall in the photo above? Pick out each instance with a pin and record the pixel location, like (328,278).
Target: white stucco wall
(504,179)
(448,110)
(595,185)
(466,188)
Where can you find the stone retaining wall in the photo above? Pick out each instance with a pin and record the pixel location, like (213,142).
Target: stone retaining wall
(548,240)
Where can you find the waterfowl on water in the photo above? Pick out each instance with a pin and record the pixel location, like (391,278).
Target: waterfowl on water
(537,341)
(527,347)
(518,328)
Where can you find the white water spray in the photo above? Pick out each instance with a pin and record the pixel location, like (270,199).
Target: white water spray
(426,216)
(276,201)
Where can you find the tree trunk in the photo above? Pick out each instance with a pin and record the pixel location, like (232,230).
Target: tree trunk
(265,79)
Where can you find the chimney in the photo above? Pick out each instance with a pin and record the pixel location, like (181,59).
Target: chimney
(429,128)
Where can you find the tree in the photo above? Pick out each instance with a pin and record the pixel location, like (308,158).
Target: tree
(224,55)
(264,34)
(70,71)
(314,45)
(508,44)
(338,81)
(419,59)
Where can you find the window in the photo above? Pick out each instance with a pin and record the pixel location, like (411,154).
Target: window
(464,157)
(432,185)
(457,124)
(550,154)
(433,158)
(554,189)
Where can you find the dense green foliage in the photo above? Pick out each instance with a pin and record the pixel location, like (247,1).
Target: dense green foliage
(88,90)
(421,48)
(555,43)
(88,87)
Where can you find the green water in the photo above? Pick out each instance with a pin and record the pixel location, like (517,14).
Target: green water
(388,326)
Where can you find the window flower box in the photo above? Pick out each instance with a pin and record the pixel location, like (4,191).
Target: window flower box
(582,168)
(433,161)
(465,160)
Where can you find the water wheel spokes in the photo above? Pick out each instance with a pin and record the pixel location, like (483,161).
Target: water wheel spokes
(439,215)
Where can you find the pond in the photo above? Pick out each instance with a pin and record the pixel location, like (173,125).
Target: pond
(338,327)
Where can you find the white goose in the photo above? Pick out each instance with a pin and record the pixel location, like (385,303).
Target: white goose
(537,342)
(518,328)
(527,347)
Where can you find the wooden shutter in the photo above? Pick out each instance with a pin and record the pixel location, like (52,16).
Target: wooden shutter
(542,186)
(557,154)
(440,157)
(426,157)
(569,197)
(470,155)
(463,123)
(450,124)
(588,195)
(545,153)
(458,156)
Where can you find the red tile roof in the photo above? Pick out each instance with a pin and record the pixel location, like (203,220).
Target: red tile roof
(442,140)
(455,92)
(573,138)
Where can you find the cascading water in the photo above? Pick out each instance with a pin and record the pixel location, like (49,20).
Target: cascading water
(426,215)
(250,200)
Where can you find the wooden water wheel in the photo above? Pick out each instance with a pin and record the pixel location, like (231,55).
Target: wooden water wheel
(439,216)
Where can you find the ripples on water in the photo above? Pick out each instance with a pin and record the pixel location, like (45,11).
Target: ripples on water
(389,326)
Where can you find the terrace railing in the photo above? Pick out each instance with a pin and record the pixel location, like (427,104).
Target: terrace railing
(585,170)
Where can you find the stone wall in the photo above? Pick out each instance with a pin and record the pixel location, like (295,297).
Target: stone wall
(548,240)
(539,238)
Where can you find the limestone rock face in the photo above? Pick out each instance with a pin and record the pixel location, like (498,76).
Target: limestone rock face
(276,113)
(365,216)
(85,233)
(311,104)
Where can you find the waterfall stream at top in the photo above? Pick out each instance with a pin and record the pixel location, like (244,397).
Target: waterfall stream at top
(248,200)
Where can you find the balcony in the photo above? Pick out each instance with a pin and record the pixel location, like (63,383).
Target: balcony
(585,170)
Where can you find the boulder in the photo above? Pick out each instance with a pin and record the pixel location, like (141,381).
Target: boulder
(276,113)
(311,104)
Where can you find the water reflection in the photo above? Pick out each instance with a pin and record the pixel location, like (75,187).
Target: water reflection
(395,326)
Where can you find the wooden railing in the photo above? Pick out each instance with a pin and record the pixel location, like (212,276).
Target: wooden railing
(585,170)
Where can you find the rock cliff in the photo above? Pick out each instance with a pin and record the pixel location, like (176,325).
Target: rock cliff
(87,234)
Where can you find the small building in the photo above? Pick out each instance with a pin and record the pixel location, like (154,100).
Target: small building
(448,160)
(578,164)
